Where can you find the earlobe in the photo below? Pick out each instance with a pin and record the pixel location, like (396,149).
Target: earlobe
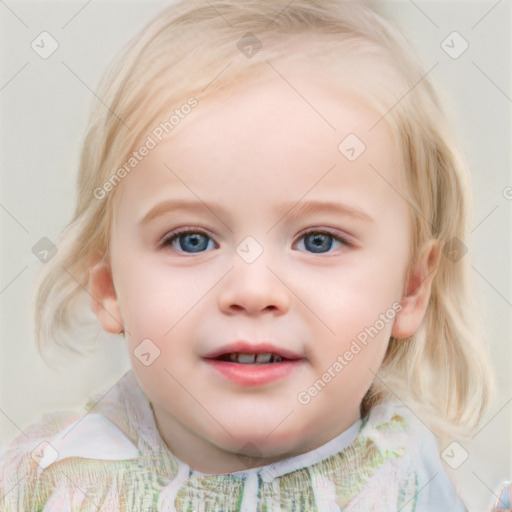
(417,292)
(103,301)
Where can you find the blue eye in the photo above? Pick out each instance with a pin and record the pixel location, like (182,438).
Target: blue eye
(320,242)
(190,241)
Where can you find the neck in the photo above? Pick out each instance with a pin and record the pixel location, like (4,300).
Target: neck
(204,456)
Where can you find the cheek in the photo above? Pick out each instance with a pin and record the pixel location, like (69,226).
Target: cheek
(145,300)
(358,303)
(362,290)
(151,304)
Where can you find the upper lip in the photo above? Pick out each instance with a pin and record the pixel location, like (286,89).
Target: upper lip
(252,348)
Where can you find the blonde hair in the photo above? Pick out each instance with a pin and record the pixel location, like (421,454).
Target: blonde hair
(190,50)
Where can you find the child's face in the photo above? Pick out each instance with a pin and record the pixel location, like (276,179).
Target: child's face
(238,172)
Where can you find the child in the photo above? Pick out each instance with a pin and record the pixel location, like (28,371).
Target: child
(313,346)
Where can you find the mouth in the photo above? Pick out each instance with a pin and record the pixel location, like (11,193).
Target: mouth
(253,365)
(244,358)
(247,353)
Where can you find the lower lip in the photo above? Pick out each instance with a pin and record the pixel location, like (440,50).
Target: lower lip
(254,374)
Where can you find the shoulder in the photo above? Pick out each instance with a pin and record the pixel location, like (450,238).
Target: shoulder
(19,461)
(64,451)
(394,426)
(48,467)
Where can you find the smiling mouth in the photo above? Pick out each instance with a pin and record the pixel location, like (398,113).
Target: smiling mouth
(252,366)
(244,358)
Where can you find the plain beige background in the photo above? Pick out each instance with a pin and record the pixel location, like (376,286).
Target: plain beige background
(44,106)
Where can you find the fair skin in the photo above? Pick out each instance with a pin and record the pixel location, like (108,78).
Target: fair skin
(251,151)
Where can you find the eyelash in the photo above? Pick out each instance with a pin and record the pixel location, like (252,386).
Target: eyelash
(174,235)
(166,242)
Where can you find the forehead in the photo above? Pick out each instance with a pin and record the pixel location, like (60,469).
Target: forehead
(281,130)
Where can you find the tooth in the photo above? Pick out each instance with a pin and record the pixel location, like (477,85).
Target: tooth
(233,356)
(246,358)
(263,358)
(277,359)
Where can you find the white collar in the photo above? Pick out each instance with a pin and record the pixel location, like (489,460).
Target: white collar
(94,436)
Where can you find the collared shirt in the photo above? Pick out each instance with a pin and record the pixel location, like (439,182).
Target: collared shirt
(113,459)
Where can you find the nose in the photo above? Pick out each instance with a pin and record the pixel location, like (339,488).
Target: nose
(253,289)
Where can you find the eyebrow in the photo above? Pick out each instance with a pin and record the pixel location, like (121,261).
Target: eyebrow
(300,208)
(170,205)
(291,210)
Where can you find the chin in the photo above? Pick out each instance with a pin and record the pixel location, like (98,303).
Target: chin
(264,441)
(257,454)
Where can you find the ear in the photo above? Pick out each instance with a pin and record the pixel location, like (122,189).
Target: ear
(417,291)
(103,301)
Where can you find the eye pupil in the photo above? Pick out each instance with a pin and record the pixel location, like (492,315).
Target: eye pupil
(318,242)
(193,242)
